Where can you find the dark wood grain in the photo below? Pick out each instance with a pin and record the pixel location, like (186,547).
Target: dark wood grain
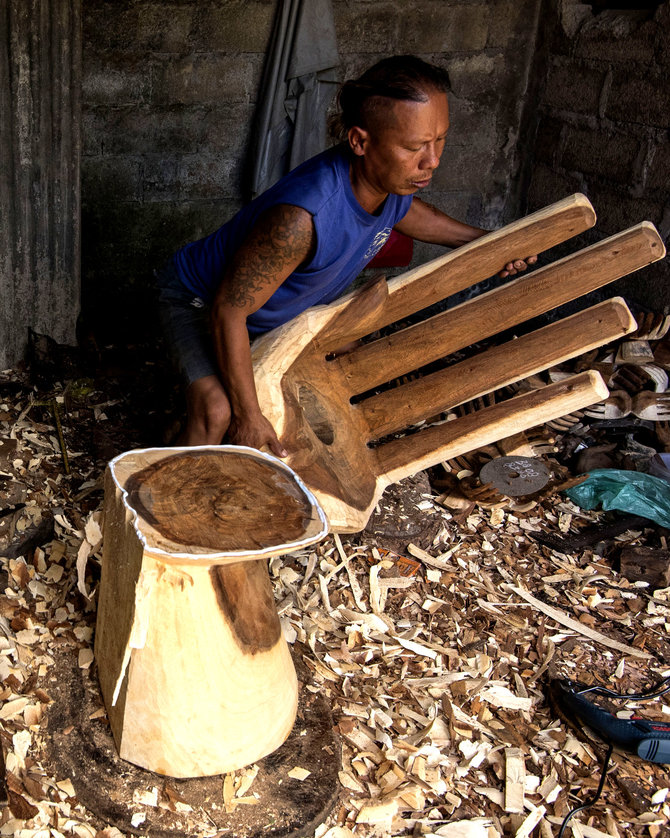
(220,501)
(244,593)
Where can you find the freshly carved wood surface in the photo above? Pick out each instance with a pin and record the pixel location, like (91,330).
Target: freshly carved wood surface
(306,384)
(479,260)
(398,458)
(398,408)
(216,503)
(528,296)
(194,670)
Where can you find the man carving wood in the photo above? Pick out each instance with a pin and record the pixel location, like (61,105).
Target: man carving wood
(304,241)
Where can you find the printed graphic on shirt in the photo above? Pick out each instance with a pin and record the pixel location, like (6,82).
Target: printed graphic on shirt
(377,243)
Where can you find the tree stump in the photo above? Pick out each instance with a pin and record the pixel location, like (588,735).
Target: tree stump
(195,673)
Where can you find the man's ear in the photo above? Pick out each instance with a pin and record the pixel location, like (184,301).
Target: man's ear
(358,140)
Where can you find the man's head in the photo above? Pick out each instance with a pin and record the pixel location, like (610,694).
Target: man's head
(395,119)
(367,102)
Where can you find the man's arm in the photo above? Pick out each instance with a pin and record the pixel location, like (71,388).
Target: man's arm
(428,224)
(280,241)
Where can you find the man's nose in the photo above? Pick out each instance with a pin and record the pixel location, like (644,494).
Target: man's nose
(431,159)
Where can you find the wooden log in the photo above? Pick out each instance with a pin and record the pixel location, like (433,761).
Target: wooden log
(194,670)
(528,296)
(399,408)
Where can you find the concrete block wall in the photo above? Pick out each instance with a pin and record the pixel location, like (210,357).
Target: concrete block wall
(603,125)
(168,98)
(169,91)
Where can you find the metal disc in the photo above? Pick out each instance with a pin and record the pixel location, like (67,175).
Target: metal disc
(516,476)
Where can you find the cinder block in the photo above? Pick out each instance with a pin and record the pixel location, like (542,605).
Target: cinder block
(110,131)
(465,167)
(207,176)
(108,26)
(206,80)
(242,25)
(547,140)
(658,173)
(126,81)
(163,28)
(547,185)
(610,154)
(617,38)
(227,128)
(662,24)
(477,77)
(470,124)
(574,86)
(513,21)
(194,219)
(441,27)
(464,205)
(618,209)
(111,179)
(366,28)
(160,180)
(639,98)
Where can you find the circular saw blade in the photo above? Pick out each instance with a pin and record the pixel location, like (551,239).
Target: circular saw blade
(516,476)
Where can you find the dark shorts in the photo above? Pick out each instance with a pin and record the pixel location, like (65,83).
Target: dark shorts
(185,322)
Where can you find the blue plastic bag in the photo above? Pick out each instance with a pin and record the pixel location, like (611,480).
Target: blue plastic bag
(628,491)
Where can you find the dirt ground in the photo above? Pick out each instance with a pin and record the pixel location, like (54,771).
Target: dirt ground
(423,644)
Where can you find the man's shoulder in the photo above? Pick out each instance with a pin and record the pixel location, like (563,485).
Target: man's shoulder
(313,183)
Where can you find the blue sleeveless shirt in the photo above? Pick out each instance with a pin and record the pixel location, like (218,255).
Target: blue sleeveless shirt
(347,237)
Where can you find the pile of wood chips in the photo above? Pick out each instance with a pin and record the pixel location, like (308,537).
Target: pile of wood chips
(434,661)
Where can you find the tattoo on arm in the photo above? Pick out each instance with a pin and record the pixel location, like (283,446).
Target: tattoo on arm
(281,240)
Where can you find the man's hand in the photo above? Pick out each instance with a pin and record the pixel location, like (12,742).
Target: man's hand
(517,266)
(255,432)
(428,224)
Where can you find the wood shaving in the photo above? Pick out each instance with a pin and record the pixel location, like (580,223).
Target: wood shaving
(435,678)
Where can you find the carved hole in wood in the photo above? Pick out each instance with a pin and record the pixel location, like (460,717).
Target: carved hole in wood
(316,414)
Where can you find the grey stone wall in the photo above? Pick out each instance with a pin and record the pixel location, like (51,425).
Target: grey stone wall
(169,90)
(603,125)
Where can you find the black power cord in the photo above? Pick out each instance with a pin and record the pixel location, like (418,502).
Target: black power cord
(596,797)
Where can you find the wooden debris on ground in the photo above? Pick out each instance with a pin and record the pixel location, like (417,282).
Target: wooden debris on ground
(433,661)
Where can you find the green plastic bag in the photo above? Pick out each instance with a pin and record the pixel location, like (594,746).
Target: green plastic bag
(628,491)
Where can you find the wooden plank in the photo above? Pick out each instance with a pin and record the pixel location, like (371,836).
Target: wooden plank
(529,296)
(402,457)
(401,407)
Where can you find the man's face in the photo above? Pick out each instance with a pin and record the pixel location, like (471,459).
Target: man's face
(402,149)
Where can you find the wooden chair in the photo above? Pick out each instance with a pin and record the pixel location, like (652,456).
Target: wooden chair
(341,423)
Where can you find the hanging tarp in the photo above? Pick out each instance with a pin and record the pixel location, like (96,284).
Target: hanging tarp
(299,82)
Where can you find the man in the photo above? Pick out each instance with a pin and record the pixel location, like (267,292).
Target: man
(305,240)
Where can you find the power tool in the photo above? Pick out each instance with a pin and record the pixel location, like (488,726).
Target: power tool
(648,740)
